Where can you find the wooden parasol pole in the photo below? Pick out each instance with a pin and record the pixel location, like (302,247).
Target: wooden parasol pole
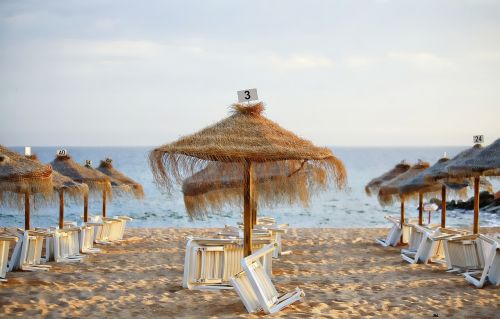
(61,208)
(402,219)
(443,206)
(86,207)
(26,211)
(247,214)
(476,205)
(254,208)
(420,209)
(104,203)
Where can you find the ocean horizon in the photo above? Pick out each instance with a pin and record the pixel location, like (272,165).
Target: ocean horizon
(338,209)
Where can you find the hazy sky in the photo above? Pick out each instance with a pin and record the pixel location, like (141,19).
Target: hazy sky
(110,72)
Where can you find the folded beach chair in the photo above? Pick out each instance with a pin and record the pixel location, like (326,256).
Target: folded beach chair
(5,242)
(464,253)
(431,247)
(117,228)
(210,262)
(87,238)
(490,250)
(255,288)
(27,254)
(271,231)
(395,232)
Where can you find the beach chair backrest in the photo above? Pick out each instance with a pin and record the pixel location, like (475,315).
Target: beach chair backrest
(4,257)
(245,290)
(259,279)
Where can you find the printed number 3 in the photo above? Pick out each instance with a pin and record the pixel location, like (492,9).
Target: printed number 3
(247,97)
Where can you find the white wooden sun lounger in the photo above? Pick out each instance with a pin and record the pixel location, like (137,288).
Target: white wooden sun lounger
(5,241)
(273,232)
(87,238)
(210,262)
(464,253)
(395,232)
(255,288)
(490,249)
(28,252)
(430,247)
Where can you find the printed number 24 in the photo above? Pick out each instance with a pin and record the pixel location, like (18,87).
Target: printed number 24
(247,97)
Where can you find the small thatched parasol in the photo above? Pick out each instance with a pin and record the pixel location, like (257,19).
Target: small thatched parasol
(374,185)
(390,191)
(19,177)
(245,137)
(481,162)
(65,185)
(96,181)
(443,173)
(221,184)
(419,185)
(118,178)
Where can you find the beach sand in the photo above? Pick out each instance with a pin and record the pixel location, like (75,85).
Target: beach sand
(342,271)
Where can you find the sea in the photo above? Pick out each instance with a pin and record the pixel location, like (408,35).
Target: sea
(347,208)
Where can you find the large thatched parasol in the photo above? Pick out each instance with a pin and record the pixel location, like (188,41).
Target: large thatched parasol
(244,138)
(443,173)
(96,181)
(389,191)
(482,162)
(221,184)
(22,177)
(130,186)
(374,185)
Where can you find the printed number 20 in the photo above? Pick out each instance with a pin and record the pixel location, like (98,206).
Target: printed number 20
(247,97)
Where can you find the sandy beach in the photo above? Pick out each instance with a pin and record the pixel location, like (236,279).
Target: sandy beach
(342,271)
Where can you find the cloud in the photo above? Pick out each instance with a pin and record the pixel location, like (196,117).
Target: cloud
(301,62)
(111,49)
(425,60)
(359,61)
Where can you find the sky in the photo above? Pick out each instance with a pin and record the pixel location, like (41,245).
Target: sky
(346,73)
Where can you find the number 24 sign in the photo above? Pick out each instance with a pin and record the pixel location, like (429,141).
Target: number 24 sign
(478,139)
(247,95)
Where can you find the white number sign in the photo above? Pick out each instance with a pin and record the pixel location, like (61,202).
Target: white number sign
(247,95)
(88,163)
(62,152)
(27,151)
(478,139)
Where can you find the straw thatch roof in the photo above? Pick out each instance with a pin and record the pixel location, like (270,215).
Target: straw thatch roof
(484,162)
(246,135)
(419,184)
(389,192)
(119,179)
(95,180)
(69,186)
(374,185)
(220,185)
(19,175)
(441,172)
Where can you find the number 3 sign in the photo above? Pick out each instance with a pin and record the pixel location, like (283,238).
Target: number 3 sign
(247,95)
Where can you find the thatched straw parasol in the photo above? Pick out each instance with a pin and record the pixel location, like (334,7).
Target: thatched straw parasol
(389,191)
(96,181)
(480,163)
(419,185)
(443,173)
(65,185)
(483,163)
(118,178)
(22,176)
(221,184)
(244,138)
(374,185)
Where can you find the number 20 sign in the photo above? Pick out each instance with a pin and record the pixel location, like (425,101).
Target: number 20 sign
(247,95)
